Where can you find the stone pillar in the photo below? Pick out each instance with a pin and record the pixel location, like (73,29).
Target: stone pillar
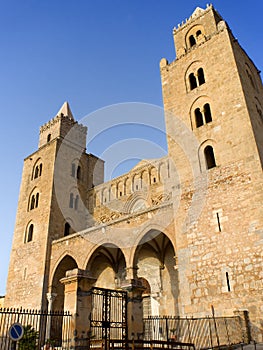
(134,308)
(245,324)
(77,301)
(50,298)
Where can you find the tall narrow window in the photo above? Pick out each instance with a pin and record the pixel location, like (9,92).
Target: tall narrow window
(79,173)
(32,203)
(40,169)
(228,282)
(201,76)
(71,200)
(48,137)
(198,118)
(37,200)
(67,229)
(36,172)
(76,202)
(29,237)
(209,157)
(192,40)
(207,113)
(192,81)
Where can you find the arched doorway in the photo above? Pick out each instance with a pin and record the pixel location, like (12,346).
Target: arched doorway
(155,262)
(107,264)
(57,289)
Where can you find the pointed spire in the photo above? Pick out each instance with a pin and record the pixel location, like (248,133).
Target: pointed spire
(66,111)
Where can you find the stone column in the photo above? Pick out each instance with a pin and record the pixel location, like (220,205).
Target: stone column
(50,298)
(134,308)
(77,301)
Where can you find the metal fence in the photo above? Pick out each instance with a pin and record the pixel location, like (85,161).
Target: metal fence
(208,332)
(40,328)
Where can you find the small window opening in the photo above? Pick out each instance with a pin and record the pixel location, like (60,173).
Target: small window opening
(228,282)
(79,173)
(48,137)
(120,193)
(32,204)
(36,172)
(198,118)
(192,40)
(37,200)
(67,229)
(209,157)
(76,202)
(40,169)
(192,81)
(218,222)
(71,200)
(201,76)
(30,233)
(198,33)
(154,179)
(137,187)
(207,113)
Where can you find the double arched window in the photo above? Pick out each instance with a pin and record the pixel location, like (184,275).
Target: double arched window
(34,201)
(203,115)
(73,201)
(196,79)
(193,38)
(29,233)
(37,169)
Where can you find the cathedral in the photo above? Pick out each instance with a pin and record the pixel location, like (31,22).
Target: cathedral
(180,233)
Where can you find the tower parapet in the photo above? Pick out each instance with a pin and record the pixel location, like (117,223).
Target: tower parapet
(61,126)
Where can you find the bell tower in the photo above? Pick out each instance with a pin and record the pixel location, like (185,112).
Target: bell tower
(52,204)
(213,95)
(214,88)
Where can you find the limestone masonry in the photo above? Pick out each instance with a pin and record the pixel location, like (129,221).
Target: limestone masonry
(186,227)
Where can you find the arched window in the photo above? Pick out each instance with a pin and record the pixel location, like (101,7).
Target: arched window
(32,203)
(67,229)
(29,235)
(198,33)
(79,173)
(207,113)
(209,157)
(198,118)
(48,137)
(76,202)
(37,199)
(71,200)
(73,169)
(36,172)
(201,76)
(192,81)
(40,169)
(192,40)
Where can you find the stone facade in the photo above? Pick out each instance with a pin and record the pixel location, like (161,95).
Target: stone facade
(187,227)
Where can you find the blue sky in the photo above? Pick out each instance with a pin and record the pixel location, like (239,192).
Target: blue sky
(93,54)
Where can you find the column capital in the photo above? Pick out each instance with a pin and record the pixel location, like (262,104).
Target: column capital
(51,297)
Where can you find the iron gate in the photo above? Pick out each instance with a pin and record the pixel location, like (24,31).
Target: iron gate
(108,319)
